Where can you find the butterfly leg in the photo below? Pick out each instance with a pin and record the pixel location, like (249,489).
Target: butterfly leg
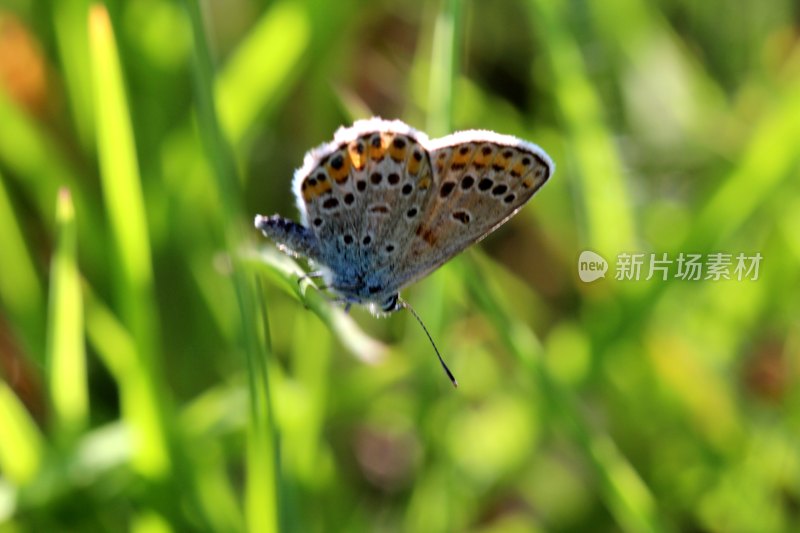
(347,302)
(312,275)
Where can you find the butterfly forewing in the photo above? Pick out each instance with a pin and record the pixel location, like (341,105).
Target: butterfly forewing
(481,179)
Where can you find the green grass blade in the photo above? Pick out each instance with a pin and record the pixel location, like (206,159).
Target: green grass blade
(20,289)
(242,96)
(73,45)
(39,167)
(444,68)
(771,155)
(66,354)
(124,204)
(624,492)
(21,446)
(287,273)
(122,189)
(608,211)
(262,469)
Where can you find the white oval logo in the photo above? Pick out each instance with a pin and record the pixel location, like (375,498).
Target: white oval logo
(591,266)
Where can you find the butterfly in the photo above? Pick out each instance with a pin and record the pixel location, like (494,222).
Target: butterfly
(382,205)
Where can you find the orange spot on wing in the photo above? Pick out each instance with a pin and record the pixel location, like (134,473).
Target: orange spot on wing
(482,159)
(323,187)
(424,183)
(398,154)
(413,167)
(340,174)
(426,234)
(500,163)
(378,145)
(462,156)
(357,159)
(312,188)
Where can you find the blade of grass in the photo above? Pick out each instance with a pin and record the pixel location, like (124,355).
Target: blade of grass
(20,288)
(768,161)
(768,155)
(609,222)
(22,445)
(40,167)
(277,41)
(73,45)
(444,68)
(262,490)
(124,204)
(624,492)
(66,355)
(642,37)
(287,274)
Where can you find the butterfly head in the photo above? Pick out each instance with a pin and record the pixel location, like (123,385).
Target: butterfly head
(391,304)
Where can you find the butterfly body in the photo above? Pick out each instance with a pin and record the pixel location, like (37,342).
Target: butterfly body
(382,205)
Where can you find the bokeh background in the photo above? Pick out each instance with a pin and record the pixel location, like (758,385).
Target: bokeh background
(161,368)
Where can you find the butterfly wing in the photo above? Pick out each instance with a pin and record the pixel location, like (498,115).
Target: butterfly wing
(359,195)
(481,179)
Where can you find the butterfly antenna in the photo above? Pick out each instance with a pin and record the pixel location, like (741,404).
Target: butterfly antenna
(450,375)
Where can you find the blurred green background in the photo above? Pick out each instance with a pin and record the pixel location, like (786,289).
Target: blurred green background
(161,369)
